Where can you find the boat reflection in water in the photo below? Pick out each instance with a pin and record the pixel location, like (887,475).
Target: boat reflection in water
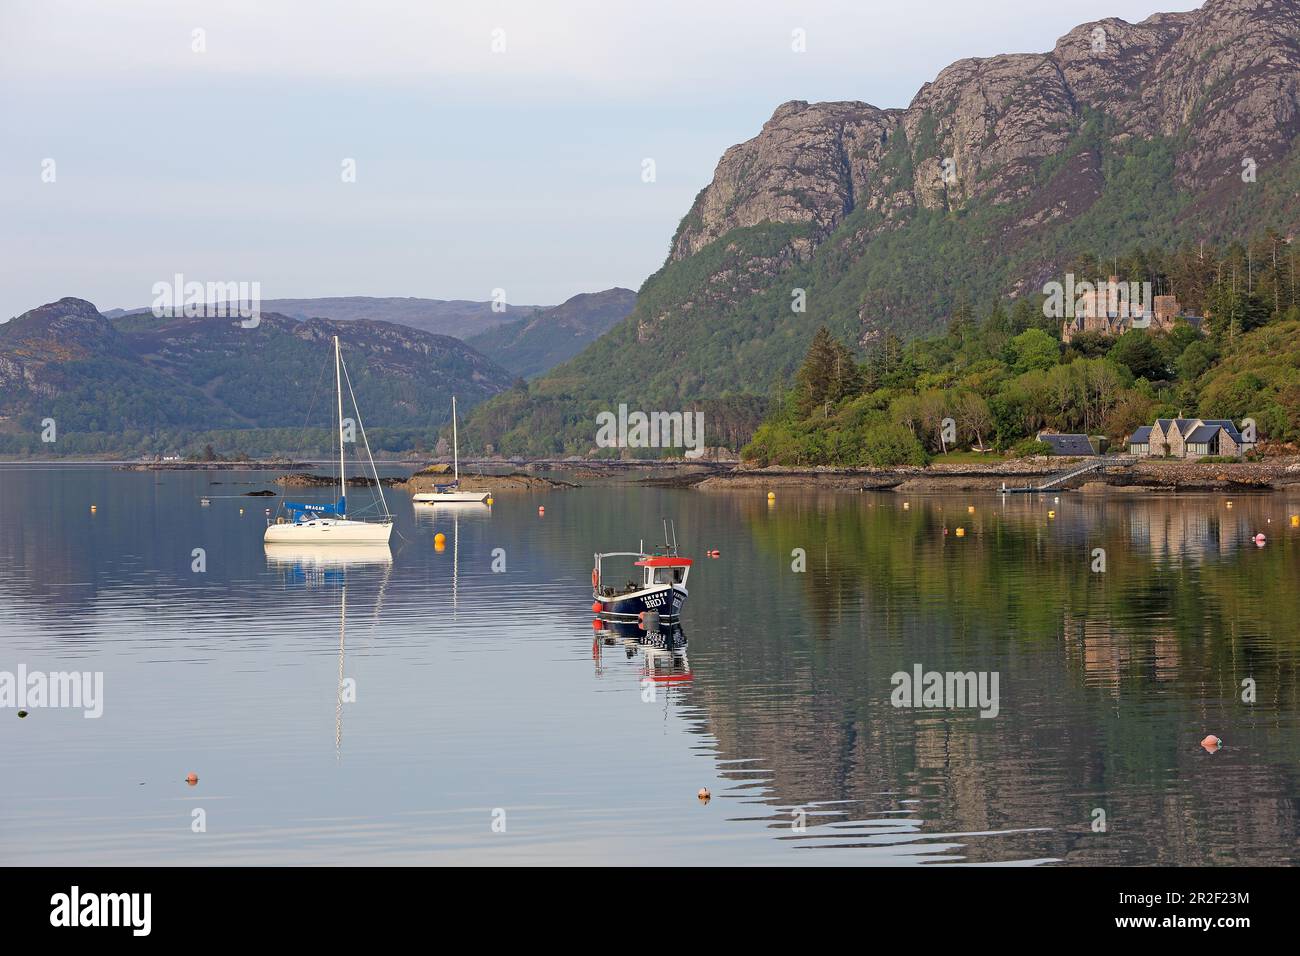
(325,563)
(427,513)
(661,645)
(325,566)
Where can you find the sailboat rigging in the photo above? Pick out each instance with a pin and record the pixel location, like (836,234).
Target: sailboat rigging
(311,523)
(451,494)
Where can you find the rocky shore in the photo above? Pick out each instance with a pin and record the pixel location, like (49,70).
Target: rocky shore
(273,465)
(425,480)
(1127,475)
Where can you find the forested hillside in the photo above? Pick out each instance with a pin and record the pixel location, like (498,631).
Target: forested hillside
(1003,374)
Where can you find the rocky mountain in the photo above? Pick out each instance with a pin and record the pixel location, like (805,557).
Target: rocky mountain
(172,376)
(998,176)
(543,340)
(460,318)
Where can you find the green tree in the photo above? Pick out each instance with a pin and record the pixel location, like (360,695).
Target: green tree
(1137,351)
(1033,349)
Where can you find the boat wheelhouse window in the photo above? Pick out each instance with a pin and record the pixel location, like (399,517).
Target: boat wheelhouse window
(668,576)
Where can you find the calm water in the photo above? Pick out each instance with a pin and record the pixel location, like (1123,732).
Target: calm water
(482,696)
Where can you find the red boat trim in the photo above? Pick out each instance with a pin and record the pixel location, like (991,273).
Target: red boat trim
(664,563)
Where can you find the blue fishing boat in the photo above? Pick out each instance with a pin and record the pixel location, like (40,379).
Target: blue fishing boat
(657,585)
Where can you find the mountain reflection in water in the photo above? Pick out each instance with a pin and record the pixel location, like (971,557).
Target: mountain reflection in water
(470,683)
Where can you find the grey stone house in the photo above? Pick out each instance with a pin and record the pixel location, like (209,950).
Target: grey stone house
(1188,438)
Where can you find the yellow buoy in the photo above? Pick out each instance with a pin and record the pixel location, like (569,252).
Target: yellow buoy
(92,509)
(961,532)
(489,501)
(771,496)
(440,546)
(1229,504)
(1051,514)
(1295,521)
(970,509)
(439,538)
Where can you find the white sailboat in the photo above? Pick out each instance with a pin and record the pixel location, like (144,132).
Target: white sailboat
(326,524)
(451,494)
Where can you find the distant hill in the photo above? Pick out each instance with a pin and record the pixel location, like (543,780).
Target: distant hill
(138,383)
(460,318)
(547,337)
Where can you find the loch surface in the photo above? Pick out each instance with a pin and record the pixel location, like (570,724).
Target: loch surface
(426,708)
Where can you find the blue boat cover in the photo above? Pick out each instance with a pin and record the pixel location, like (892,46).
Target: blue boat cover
(303,509)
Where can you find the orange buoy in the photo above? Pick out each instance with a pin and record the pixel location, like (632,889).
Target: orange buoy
(961,532)
(192,779)
(704,794)
(595,578)
(439,538)
(597,607)
(595,624)
(1211,743)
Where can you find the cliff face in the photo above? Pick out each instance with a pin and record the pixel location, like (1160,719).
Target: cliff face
(1001,174)
(1225,78)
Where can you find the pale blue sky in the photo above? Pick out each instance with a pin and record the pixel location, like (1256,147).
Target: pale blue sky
(475,170)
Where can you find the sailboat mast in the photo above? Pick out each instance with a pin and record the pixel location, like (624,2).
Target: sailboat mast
(455,443)
(338,388)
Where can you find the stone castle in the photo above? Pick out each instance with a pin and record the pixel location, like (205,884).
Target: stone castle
(1102,310)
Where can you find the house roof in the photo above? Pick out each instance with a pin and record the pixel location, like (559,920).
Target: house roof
(1141,436)
(1202,434)
(1068,444)
(1226,425)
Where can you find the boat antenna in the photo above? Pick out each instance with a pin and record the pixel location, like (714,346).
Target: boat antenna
(338,387)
